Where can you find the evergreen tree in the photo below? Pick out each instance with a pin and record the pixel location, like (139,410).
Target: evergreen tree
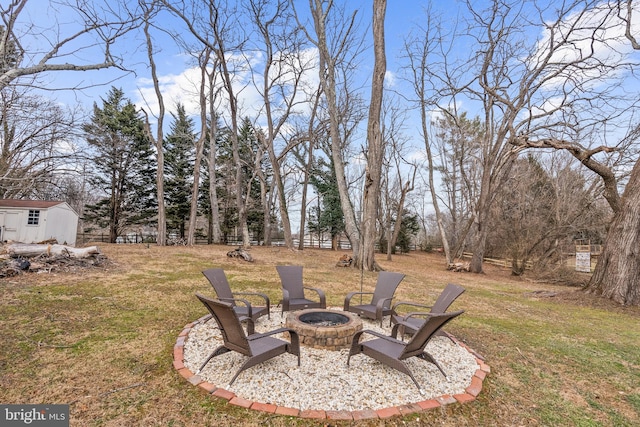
(225,186)
(248,150)
(204,200)
(179,157)
(329,219)
(409,228)
(124,166)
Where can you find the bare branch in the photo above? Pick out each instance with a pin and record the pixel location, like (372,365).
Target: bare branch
(94,23)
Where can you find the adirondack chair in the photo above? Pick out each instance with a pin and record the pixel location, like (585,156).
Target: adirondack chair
(382,296)
(242,306)
(393,352)
(410,322)
(257,347)
(293,295)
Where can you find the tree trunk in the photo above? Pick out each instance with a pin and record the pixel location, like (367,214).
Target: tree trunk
(617,274)
(375,151)
(215,233)
(475,265)
(161,238)
(195,188)
(327,78)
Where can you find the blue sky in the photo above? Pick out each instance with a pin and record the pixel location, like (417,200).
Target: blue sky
(174,66)
(172,63)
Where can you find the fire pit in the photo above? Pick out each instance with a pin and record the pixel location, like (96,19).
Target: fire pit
(326,329)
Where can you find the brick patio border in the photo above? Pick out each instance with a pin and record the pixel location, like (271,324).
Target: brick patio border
(470,394)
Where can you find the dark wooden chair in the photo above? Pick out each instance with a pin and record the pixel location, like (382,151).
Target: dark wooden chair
(293,296)
(257,347)
(392,352)
(409,323)
(382,296)
(242,306)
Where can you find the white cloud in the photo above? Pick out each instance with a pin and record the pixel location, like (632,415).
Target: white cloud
(184,87)
(390,79)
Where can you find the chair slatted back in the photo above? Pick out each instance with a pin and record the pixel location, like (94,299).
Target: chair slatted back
(386,286)
(421,338)
(230,327)
(219,282)
(291,280)
(447,297)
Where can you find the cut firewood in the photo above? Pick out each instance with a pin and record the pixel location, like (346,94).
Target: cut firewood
(29,250)
(240,253)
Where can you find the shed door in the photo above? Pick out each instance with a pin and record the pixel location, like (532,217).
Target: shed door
(9,225)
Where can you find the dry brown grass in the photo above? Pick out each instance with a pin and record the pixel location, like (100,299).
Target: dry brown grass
(102,339)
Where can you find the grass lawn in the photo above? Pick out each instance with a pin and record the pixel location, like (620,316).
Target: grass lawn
(101,340)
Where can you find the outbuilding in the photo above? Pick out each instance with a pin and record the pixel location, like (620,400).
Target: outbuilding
(33,221)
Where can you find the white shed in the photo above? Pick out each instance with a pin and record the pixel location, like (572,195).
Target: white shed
(33,221)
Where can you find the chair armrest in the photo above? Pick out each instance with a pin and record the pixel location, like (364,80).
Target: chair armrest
(357,335)
(268,333)
(243,301)
(251,326)
(258,294)
(321,295)
(285,300)
(416,314)
(350,295)
(267,303)
(380,306)
(411,303)
(295,340)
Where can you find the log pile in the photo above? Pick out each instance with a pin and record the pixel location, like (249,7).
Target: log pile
(240,253)
(344,261)
(18,258)
(459,266)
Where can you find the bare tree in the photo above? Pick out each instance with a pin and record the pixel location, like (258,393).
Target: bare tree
(215,25)
(579,64)
(375,143)
(336,53)
(548,202)
(279,85)
(312,133)
(95,33)
(37,143)
(203,60)
(617,274)
(560,89)
(418,52)
(38,135)
(149,12)
(216,234)
(398,174)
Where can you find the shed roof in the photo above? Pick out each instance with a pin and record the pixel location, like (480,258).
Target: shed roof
(34,204)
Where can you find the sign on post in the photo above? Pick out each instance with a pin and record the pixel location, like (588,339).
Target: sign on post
(583,258)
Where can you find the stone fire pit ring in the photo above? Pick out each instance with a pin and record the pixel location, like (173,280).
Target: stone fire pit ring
(324,329)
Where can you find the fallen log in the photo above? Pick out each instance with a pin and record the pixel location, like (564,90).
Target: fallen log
(31,249)
(459,266)
(240,253)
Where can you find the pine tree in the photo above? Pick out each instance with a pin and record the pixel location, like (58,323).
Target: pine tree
(179,155)
(124,166)
(329,219)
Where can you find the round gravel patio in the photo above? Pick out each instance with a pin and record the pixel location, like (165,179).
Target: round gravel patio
(324,386)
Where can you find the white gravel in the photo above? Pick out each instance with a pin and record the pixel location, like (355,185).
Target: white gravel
(324,381)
